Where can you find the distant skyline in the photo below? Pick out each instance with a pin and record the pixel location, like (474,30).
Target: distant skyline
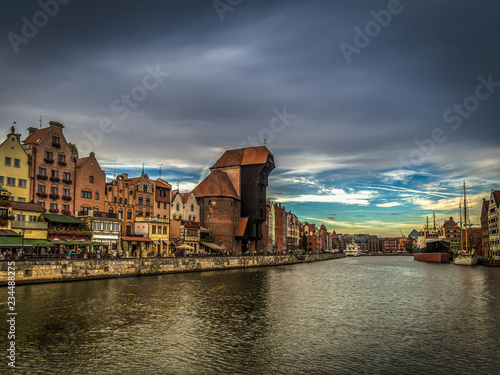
(376,112)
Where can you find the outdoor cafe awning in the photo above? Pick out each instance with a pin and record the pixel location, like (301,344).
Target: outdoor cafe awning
(38,242)
(211,245)
(13,242)
(185,247)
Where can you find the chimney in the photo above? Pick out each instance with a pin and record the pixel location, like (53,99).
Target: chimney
(56,124)
(31,130)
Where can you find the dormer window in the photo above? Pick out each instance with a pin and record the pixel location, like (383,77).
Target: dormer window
(91,179)
(55,142)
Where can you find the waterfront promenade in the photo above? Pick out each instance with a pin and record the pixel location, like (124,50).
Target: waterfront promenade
(60,270)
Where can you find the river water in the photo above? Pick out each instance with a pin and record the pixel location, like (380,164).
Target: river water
(366,315)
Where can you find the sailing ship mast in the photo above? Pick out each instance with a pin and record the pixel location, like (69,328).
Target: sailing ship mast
(465,220)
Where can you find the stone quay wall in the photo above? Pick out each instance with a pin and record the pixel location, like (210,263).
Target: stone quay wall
(60,270)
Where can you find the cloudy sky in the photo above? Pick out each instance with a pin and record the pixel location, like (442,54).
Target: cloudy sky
(376,111)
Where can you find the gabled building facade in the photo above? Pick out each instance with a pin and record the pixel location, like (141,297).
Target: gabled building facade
(90,186)
(184,206)
(14,171)
(493,219)
(52,168)
(485,235)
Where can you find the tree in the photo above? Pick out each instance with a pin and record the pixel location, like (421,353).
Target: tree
(303,246)
(73,148)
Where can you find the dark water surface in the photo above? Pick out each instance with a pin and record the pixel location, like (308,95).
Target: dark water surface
(366,315)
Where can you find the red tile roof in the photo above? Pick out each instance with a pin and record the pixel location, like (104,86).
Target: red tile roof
(27,206)
(496,194)
(37,136)
(81,161)
(164,184)
(243,156)
(185,197)
(240,232)
(216,184)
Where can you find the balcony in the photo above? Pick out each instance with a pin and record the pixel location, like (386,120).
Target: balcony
(54,196)
(55,179)
(34,225)
(62,163)
(48,161)
(42,176)
(41,195)
(66,181)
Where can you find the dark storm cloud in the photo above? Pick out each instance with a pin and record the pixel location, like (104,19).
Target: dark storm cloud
(226,78)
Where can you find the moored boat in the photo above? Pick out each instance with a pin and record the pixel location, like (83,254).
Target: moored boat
(466,256)
(432,245)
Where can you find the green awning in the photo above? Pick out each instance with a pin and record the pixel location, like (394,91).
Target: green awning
(72,243)
(38,242)
(13,242)
(97,244)
(58,218)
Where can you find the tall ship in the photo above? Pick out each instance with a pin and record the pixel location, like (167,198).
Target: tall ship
(466,256)
(432,245)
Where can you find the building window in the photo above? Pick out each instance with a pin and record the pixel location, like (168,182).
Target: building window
(53,190)
(148,202)
(21,217)
(61,158)
(105,227)
(86,194)
(55,173)
(175,216)
(97,225)
(84,210)
(8,161)
(177,207)
(141,201)
(42,171)
(192,207)
(96,195)
(120,200)
(2,180)
(48,155)
(139,213)
(91,179)
(158,205)
(194,218)
(17,163)
(147,214)
(153,229)
(65,207)
(22,183)
(65,192)
(159,229)
(115,227)
(53,206)
(33,218)
(11,181)
(125,201)
(145,188)
(164,206)
(41,188)
(55,141)
(129,214)
(66,176)
(19,199)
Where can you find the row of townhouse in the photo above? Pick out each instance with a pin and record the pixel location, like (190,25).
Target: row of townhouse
(227,212)
(490,217)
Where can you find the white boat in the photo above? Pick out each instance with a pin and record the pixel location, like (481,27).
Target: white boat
(352,250)
(466,255)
